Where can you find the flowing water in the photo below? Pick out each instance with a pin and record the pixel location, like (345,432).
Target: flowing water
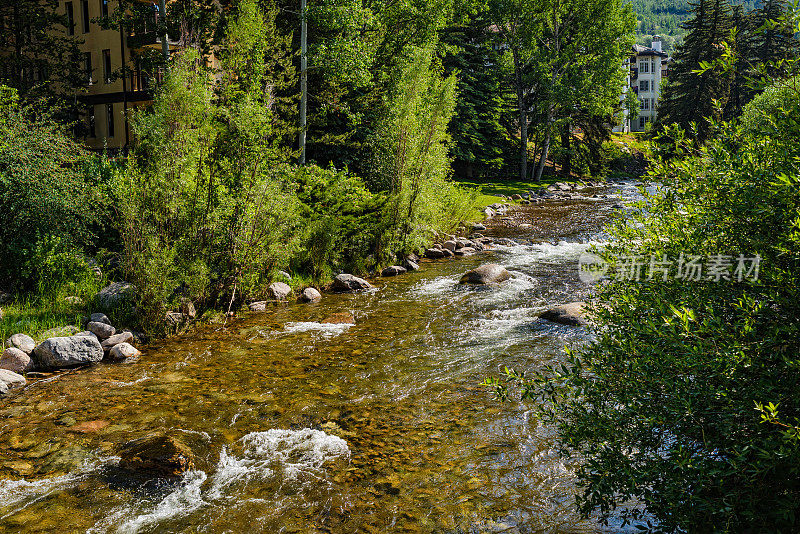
(303,426)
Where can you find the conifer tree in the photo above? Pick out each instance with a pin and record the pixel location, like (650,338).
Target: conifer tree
(772,40)
(690,97)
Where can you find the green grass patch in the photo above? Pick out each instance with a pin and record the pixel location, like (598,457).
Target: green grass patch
(34,318)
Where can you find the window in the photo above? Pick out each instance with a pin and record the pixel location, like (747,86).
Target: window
(104,8)
(107,65)
(644,66)
(644,85)
(70,18)
(644,104)
(110,119)
(85,15)
(90,125)
(87,66)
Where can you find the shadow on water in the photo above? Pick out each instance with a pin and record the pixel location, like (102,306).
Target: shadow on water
(300,426)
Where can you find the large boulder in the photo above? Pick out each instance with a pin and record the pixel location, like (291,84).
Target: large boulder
(16,360)
(123,351)
(435,253)
(22,342)
(279,290)
(116,339)
(490,273)
(101,330)
(258,306)
(11,380)
(156,455)
(393,270)
(60,352)
(348,282)
(114,295)
(310,294)
(572,314)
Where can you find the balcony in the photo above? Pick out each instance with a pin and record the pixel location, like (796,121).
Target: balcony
(149,39)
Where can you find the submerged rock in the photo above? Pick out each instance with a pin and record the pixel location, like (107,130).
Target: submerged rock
(348,282)
(490,273)
(60,352)
(22,342)
(572,314)
(340,318)
(16,360)
(157,455)
(309,294)
(393,270)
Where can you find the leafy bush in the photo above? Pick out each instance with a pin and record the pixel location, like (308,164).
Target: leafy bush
(662,407)
(48,200)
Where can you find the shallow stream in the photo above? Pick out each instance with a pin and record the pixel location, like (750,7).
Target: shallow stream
(300,426)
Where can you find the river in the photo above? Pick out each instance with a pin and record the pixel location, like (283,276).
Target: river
(301,426)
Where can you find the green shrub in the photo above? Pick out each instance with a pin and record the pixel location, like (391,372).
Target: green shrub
(46,196)
(662,407)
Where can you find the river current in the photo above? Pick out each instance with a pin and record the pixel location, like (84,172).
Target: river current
(305,426)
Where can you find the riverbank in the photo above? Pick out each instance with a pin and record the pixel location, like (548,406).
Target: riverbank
(398,384)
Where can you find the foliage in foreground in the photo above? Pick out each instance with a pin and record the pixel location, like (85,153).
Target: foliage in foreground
(670,406)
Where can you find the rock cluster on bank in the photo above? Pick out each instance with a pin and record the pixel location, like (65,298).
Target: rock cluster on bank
(100,341)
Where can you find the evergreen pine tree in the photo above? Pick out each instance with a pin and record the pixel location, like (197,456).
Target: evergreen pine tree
(688,96)
(772,37)
(480,140)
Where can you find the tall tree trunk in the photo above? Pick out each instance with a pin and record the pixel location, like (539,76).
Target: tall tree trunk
(523,117)
(566,165)
(545,145)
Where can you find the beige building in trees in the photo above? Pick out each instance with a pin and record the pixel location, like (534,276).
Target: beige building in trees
(111,91)
(647,70)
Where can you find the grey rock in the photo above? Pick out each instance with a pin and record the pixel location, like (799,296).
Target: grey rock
(410,265)
(258,306)
(450,245)
(16,360)
(102,330)
(478,227)
(348,282)
(114,295)
(393,270)
(310,294)
(465,251)
(98,317)
(75,301)
(60,352)
(462,242)
(490,273)
(572,314)
(23,342)
(447,253)
(3,387)
(86,333)
(116,339)
(173,318)
(123,351)
(488,212)
(285,275)
(279,291)
(11,379)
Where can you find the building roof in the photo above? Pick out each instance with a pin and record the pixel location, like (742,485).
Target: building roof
(640,50)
